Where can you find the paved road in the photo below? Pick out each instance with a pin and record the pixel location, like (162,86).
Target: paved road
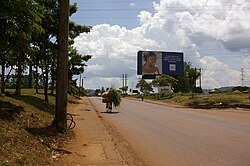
(170,136)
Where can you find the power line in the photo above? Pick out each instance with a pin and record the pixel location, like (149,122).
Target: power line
(106,2)
(217,55)
(141,9)
(173,7)
(113,9)
(136,18)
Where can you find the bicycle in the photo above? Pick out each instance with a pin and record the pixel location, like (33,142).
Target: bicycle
(72,123)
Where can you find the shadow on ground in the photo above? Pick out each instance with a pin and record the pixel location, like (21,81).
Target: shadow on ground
(49,131)
(35,101)
(9,111)
(109,112)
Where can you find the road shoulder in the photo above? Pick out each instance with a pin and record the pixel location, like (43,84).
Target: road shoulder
(92,144)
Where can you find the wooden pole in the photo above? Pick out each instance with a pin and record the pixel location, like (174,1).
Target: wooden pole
(62,67)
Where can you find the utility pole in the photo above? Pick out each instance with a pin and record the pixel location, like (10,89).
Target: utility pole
(195,69)
(60,120)
(200,77)
(242,76)
(82,81)
(79,89)
(124,79)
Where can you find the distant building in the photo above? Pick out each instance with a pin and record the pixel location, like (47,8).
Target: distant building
(215,91)
(237,91)
(246,91)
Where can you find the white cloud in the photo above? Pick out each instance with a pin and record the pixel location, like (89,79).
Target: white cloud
(132,4)
(205,30)
(216,73)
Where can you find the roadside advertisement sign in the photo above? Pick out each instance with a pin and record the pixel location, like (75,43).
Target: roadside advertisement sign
(165,89)
(153,63)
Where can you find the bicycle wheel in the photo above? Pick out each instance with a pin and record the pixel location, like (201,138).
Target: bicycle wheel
(70,121)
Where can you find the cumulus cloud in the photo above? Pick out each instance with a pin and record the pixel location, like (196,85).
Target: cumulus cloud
(215,73)
(202,29)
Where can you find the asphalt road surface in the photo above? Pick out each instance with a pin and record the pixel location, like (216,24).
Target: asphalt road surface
(169,136)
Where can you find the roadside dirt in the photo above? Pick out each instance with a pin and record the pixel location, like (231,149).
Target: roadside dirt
(96,142)
(124,148)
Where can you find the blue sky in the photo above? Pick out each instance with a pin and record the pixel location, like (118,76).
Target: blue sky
(113,12)
(213,35)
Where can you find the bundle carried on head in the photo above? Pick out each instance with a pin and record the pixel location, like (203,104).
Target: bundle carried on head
(112,96)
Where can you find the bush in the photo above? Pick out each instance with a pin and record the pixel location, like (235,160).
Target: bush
(115,96)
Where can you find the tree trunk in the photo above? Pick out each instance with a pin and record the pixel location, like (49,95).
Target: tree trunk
(46,79)
(2,78)
(52,78)
(60,120)
(37,77)
(52,85)
(30,76)
(19,78)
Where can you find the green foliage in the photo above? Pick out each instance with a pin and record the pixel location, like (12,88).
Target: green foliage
(115,96)
(28,36)
(76,62)
(164,80)
(240,88)
(76,30)
(124,89)
(144,86)
(187,82)
(73,90)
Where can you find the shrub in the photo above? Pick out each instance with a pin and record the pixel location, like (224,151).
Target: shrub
(115,96)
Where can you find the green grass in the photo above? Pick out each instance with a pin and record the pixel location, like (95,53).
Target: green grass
(189,99)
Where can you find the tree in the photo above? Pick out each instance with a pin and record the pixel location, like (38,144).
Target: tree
(144,86)
(240,88)
(124,89)
(46,44)
(164,80)
(20,20)
(187,82)
(76,62)
(62,66)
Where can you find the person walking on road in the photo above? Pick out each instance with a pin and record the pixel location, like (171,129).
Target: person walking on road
(142,96)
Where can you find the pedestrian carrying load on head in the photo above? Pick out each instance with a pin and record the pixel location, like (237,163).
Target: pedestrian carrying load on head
(112,96)
(106,98)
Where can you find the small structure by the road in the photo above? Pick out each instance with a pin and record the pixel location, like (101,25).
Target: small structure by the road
(215,91)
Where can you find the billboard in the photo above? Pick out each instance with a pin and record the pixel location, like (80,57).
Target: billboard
(153,63)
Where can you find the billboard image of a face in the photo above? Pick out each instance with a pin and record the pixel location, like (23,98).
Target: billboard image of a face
(151,63)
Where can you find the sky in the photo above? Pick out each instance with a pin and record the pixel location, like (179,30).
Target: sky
(213,35)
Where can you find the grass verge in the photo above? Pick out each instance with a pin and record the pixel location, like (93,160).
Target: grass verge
(26,135)
(222,100)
